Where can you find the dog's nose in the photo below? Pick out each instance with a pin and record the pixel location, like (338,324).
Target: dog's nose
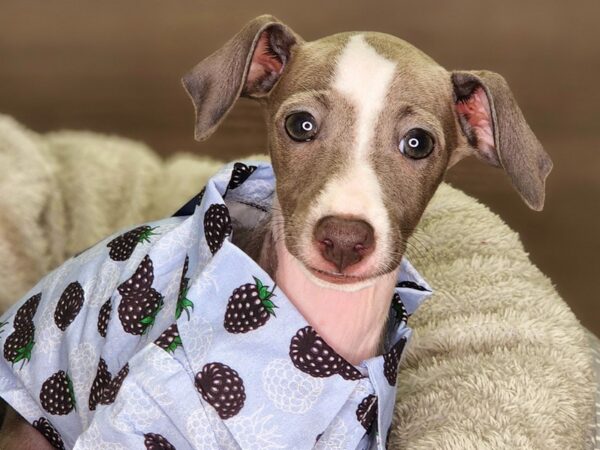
(344,241)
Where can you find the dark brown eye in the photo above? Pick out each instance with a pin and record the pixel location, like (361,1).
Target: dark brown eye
(301,126)
(416,144)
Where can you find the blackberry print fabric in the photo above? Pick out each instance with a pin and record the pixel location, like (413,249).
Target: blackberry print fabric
(168,336)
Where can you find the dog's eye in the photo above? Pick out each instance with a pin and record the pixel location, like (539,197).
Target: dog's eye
(416,144)
(301,126)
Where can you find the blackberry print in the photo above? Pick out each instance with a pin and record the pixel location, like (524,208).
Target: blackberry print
(69,305)
(249,307)
(312,355)
(222,387)
(239,174)
(140,303)
(112,389)
(26,312)
(19,344)
(399,311)
(56,395)
(122,247)
(101,381)
(155,441)
(49,432)
(104,317)
(184,303)
(140,281)
(169,340)
(217,226)
(391,360)
(366,413)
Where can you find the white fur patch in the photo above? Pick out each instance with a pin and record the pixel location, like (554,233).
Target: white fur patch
(364,77)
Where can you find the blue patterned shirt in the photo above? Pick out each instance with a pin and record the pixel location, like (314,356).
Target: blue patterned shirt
(168,336)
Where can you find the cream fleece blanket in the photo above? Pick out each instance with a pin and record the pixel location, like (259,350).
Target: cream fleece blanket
(497,361)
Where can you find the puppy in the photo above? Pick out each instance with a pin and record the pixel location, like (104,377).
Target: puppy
(361,129)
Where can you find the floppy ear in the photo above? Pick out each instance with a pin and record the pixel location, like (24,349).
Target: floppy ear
(496,130)
(249,64)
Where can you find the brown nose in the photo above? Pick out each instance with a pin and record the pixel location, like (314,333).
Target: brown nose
(344,241)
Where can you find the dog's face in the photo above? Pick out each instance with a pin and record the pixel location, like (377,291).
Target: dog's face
(380,125)
(362,127)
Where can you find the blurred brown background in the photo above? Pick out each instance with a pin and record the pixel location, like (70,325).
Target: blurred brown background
(114,66)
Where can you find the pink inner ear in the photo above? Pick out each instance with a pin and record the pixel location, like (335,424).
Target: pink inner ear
(476,110)
(264,61)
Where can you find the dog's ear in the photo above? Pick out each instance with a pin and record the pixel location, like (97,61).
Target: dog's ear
(497,132)
(249,64)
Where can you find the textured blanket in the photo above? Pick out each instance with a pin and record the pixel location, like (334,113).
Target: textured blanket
(497,359)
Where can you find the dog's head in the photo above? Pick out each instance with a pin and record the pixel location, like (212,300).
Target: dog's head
(361,128)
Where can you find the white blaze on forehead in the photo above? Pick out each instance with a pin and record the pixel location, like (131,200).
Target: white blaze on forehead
(363,77)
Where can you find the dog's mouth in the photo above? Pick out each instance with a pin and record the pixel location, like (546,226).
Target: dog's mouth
(325,273)
(336,277)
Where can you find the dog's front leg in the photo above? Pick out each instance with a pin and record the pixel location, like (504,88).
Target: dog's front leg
(17,434)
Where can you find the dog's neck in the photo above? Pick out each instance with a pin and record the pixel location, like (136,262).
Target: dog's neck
(352,322)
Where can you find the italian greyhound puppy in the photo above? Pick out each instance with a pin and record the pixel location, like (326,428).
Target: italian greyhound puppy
(361,130)
(362,127)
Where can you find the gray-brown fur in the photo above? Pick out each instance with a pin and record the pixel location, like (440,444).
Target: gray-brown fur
(214,94)
(423,95)
(518,150)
